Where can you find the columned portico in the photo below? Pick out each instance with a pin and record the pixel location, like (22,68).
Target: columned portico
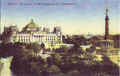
(107,44)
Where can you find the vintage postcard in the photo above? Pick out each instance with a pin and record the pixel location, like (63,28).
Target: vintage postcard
(59,37)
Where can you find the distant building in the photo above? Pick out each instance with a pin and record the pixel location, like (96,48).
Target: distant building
(107,45)
(87,36)
(33,33)
(11,29)
(46,30)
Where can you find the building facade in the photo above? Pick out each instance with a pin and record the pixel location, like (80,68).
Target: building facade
(33,33)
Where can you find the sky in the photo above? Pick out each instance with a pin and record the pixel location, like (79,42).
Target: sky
(73,16)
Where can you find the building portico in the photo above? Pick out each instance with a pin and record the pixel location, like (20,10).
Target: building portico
(107,44)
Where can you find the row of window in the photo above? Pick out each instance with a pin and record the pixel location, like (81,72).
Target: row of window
(50,39)
(24,40)
(24,36)
(53,37)
(32,28)
(37,36)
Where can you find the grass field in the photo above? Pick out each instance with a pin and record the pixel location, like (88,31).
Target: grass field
(114,58)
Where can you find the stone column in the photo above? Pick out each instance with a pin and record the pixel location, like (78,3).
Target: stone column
(37,38)
(40,38)
(33,38)
(111,44)
(25,39)
(105,45)
(108,45)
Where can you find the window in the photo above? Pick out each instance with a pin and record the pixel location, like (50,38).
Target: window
(28,29)
(34,29)
(14,32)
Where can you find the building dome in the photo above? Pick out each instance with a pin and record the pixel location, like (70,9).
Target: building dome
(31,24)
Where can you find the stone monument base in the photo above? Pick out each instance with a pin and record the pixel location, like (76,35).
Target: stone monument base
(109,52)
(107,48)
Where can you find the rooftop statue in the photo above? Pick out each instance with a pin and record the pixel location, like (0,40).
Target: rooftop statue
(106,11)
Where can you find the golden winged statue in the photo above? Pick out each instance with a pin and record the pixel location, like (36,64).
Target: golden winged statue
(106,10)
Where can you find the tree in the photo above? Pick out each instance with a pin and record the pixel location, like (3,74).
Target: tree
(69,40)
(73,73)
(93,47)
(88,49)
(80,39)
(62,49)
(36,47)
(109,67)
(76,44)
(79,50)
(53,70)
(106,58)
(29,46)
(42,45)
